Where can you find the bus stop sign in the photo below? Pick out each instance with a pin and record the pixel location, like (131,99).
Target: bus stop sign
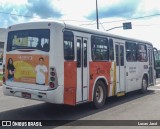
(127,25)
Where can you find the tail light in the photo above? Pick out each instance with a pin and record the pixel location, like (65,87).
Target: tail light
(53,78)
(52,85)
(4,79)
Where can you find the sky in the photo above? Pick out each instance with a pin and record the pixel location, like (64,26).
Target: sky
(143,14)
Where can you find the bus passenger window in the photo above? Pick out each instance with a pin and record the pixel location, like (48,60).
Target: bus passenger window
(131,52)
(85,52)
(79,52)
(117,55)
(122,55)
(111,50)
(141,53)
(99,47)
(68,38)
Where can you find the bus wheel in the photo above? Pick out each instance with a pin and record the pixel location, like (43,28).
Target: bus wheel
(99,94)
(144,85)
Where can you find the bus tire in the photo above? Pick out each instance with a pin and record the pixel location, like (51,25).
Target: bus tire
(144,85)
(99,97)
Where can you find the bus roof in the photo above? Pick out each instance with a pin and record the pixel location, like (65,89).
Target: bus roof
(103,33)
(81,29)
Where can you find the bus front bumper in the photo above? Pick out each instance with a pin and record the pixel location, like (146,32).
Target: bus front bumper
(51,96)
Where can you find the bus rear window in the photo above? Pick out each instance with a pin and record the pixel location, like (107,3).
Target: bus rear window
(38,39)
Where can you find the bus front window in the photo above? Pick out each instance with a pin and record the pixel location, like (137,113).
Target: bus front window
(29,39)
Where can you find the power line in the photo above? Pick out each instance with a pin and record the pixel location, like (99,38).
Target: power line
(148,25)
(18,15)
(102,25)
(153,15)
(132,25)
(90,22)
(7,13)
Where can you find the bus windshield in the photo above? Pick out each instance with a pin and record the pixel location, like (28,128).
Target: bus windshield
(38,39)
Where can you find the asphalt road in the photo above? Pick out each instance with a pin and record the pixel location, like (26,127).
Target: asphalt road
(133,106)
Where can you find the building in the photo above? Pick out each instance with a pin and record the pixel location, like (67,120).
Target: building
(3,34)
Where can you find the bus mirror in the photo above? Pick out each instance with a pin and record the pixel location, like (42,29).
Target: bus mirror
(155,50)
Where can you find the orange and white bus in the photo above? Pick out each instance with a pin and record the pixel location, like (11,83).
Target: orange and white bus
(65,64)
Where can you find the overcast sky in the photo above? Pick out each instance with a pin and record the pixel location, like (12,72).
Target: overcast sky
(112,13)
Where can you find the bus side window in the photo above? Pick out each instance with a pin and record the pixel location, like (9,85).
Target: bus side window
(99,47)
(79,46)
(131,51)
(122,55)
(111,50)
(68,38)
(141,53)
(117,55)
(85,53)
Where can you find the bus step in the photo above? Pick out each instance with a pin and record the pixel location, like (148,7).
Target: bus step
(122,93)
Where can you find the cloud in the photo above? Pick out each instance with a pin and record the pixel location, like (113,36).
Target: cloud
(28,9)
(8,14)
(124,9)
(42,8)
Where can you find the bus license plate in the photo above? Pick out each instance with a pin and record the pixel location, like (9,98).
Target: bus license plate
(26,95)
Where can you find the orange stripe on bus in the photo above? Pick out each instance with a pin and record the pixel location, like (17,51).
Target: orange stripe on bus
(70,82)
(98,69)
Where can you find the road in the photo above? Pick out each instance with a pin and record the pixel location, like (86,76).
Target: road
(133,106)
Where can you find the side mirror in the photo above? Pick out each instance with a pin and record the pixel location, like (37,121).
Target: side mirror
(155,51)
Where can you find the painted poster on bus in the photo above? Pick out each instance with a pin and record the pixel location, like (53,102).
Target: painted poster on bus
(27,68)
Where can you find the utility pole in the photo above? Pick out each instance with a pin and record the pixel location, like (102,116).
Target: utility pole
(97,15)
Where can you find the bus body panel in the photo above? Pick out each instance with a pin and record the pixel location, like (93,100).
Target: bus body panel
(70,82)
(52,96)
(56,51)
(99,69)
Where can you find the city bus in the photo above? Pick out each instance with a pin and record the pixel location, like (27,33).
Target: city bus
(157,63)
(64,64)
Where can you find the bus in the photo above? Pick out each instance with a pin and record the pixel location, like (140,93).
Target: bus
(65,64)
(157,63)
(2,40)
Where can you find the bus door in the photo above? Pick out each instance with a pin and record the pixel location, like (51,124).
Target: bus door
(151,77)
(120,68)
(82,69)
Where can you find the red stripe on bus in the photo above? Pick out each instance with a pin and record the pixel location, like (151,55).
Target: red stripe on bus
(70,82)
(98,69)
